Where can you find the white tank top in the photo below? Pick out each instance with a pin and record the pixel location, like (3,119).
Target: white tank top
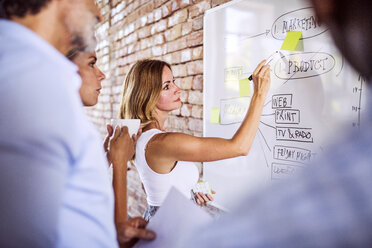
(183,176)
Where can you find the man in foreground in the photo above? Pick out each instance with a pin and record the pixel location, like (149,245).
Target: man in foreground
(53,185)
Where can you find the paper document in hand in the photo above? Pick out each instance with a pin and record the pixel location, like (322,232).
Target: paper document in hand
(175,218)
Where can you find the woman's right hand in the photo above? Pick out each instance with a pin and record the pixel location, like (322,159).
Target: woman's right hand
(121,146)
(261,79)
(202,199)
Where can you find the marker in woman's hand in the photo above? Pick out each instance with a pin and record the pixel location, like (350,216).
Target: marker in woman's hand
(269,59)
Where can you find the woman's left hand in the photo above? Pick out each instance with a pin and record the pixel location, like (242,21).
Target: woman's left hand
(202,199)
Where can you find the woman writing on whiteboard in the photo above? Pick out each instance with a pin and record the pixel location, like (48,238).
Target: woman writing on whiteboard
(164,159)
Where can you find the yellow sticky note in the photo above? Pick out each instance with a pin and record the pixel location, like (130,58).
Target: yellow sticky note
(291,40)
(215,115)
(244,87)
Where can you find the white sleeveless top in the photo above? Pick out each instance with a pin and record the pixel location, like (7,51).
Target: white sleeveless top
(183,176)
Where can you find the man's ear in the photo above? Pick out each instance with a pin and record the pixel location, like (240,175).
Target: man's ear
(324,9)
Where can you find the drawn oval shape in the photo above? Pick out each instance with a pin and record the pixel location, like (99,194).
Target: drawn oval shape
(304,65)
(303,20)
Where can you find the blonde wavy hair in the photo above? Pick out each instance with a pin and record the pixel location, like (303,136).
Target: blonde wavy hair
(141,91)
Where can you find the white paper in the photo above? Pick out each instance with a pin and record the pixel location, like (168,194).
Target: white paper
(176,217)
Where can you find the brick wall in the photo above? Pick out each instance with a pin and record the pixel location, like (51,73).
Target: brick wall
(157,29)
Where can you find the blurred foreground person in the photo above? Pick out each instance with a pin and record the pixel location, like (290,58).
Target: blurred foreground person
(52,175)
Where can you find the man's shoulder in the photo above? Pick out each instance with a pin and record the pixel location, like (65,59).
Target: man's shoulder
(35,85)
(19,59)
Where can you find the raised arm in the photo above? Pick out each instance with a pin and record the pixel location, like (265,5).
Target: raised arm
(165,149)
(244,136)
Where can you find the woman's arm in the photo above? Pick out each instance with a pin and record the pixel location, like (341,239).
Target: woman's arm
(119,183)
(165,149)
(121,150)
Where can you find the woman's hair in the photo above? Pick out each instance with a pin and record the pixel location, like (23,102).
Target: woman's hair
(142,87)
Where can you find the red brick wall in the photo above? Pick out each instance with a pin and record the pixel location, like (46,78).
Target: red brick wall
(157,29)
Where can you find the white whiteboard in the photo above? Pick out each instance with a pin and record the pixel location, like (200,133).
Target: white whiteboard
(305,106)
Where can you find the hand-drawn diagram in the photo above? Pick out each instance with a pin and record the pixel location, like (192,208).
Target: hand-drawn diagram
(285,121)
(313,90)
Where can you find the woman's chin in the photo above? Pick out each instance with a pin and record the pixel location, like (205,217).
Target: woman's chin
(90,102)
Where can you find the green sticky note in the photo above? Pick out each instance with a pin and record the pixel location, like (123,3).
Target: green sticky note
(215,115)
(291,40)
(244,87)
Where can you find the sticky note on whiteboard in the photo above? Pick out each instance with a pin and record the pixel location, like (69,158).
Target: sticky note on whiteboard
(291,40)
(244,87)
(215,115)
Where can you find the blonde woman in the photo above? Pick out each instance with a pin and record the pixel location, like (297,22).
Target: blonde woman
(165,159)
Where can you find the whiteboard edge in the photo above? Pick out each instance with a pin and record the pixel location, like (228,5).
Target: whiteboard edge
(221,7)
